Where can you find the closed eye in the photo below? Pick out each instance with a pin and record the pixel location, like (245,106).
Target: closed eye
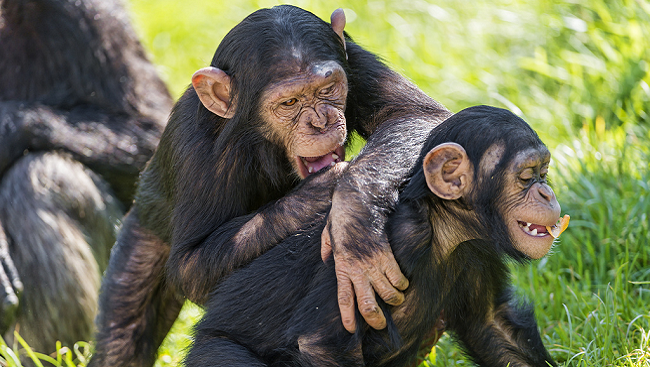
(543,172)
(526,175)
(327,90)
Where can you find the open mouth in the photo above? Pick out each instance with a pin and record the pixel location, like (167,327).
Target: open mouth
(309,165)
(538,230)
(535,230)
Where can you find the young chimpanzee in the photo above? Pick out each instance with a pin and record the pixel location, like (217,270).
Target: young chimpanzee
(476,196)
(81,112)
(274,106)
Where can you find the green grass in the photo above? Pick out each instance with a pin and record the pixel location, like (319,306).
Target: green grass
(576,70)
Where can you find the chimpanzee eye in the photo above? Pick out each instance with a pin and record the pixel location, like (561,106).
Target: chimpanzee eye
(526,174)
(290,102)
(543,172)
(327,90)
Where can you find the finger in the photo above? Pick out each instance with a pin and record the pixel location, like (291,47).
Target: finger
(385,289)
(325,244)
(395,276)
(9,269)
(7,264)
(8,298)
(368,304)
(346,302)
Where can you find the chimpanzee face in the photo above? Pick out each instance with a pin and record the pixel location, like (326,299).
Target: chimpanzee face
(530,207)
(526,204)
(305,113)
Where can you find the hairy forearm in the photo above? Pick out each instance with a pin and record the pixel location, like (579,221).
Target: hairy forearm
(197,269)
(374,178)
(92,136)
(116,146)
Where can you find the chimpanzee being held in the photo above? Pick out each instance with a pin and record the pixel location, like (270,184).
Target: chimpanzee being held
(478,196)
(274,106)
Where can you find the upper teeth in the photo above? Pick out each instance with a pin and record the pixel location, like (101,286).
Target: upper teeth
(526,229)
(335,156)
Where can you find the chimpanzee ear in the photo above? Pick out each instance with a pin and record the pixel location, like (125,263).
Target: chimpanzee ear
(212,85)
(338,23)
(448,171)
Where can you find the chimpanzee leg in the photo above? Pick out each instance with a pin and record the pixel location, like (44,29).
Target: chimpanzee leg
(507,335)
(329,349)
(136,307)
(60,221)
(220,351)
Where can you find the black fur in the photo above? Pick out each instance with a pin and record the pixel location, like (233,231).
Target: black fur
(81,111)
(208,171)
(281,310)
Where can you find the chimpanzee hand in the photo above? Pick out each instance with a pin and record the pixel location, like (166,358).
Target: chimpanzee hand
(10,285)
(360,267)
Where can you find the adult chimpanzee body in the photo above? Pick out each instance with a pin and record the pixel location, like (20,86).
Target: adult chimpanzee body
(81,112)
(274,106)
(478,189)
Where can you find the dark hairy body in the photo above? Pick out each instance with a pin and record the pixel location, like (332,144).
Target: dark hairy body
(254,123)
(81,112)
(452,235)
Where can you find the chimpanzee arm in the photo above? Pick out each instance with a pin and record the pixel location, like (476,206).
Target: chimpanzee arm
(361,202)
(117,146)
(505,335)
(398,117)
(239,241)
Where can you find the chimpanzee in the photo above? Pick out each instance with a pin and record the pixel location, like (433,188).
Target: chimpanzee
(270,110)
(476,195)
(81,112)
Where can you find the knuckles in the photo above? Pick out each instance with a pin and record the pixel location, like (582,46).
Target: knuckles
(393,298)
(370,312)
(345,299)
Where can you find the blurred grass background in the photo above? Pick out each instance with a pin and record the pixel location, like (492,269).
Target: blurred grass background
(576,70)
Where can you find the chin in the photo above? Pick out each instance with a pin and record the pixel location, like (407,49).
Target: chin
(532,244)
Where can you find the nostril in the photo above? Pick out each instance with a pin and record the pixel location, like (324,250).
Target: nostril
(319,123)
(319,119)
(546,192)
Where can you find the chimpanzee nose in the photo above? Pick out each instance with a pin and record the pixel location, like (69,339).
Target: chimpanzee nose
(546,192)
(318,119)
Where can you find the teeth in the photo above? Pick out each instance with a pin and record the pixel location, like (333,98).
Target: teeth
(526,228)
(335,156)
(311,169)
(333,164)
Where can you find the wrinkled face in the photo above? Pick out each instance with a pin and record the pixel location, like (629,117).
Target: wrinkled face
(529,203)
(305,113)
